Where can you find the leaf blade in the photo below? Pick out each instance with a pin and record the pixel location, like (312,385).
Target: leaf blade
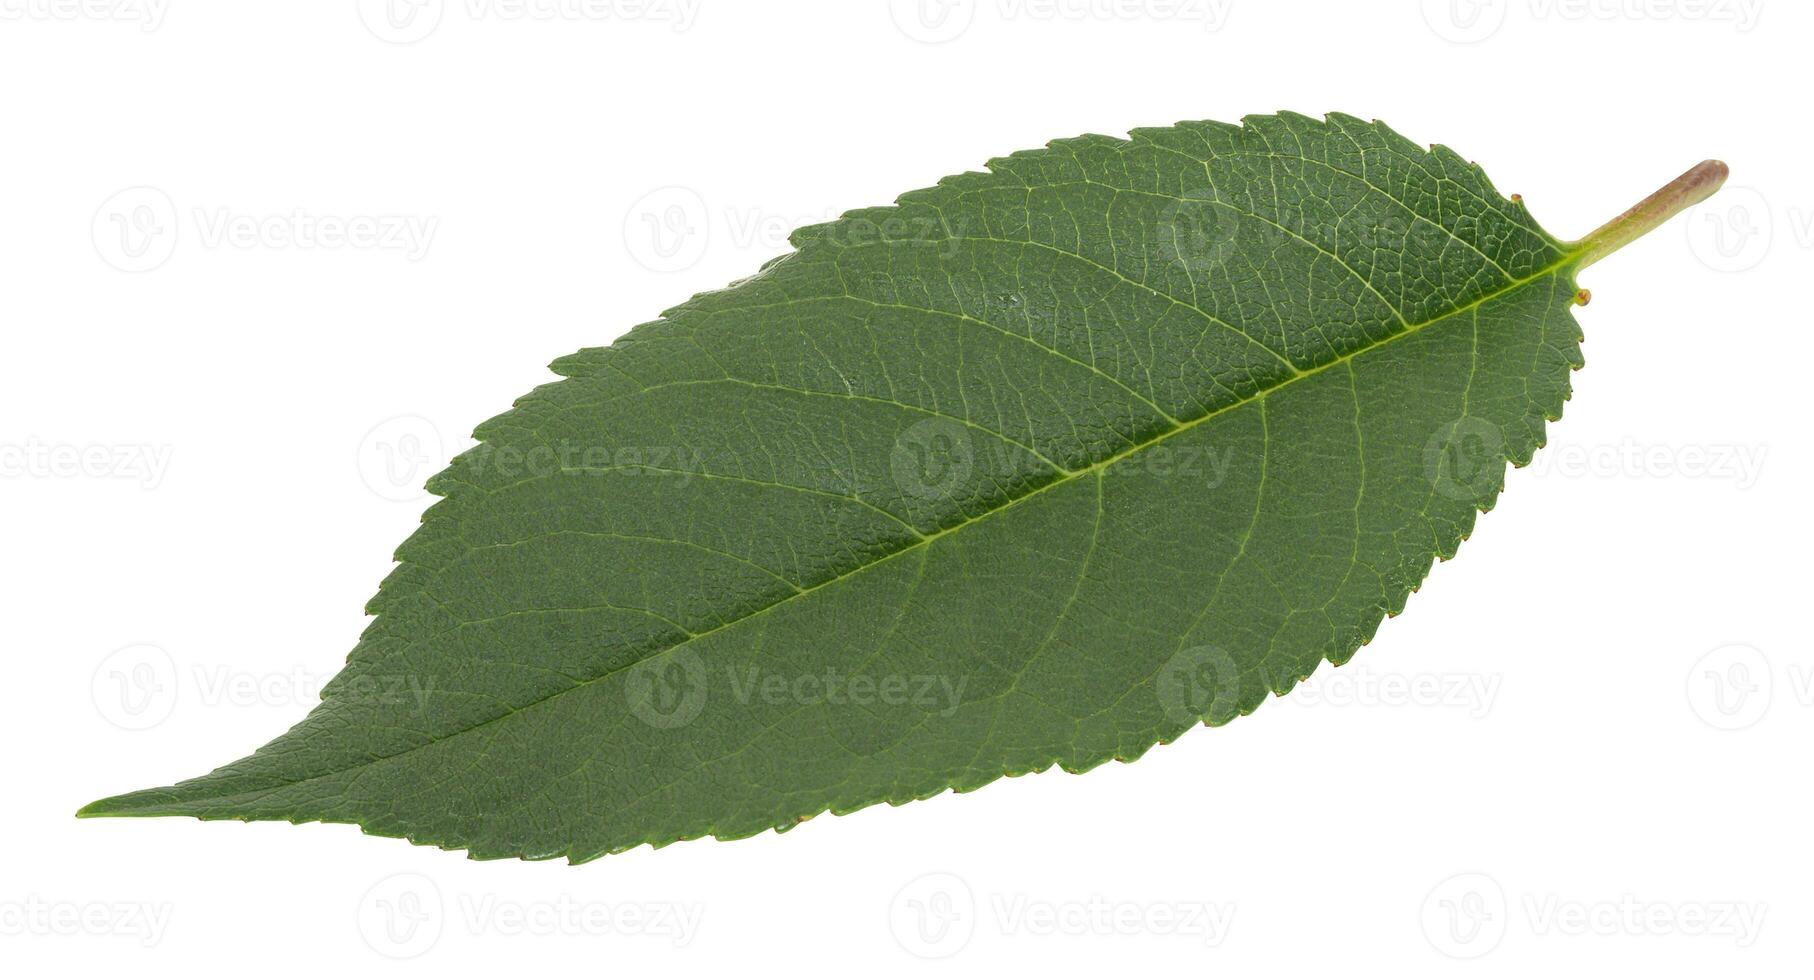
(1185,353)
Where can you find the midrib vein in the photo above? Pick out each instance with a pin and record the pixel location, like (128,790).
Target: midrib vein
(1552,268)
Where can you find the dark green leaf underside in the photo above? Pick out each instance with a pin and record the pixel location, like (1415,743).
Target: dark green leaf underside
(1039,466)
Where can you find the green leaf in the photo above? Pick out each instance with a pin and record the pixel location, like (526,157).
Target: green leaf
(1038,466)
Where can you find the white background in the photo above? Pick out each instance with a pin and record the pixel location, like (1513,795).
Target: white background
(220,391)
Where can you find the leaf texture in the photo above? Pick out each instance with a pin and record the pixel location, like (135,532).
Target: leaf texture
(1040,466)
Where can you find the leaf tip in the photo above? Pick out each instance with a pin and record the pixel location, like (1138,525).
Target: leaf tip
(104,807)
(140,803)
